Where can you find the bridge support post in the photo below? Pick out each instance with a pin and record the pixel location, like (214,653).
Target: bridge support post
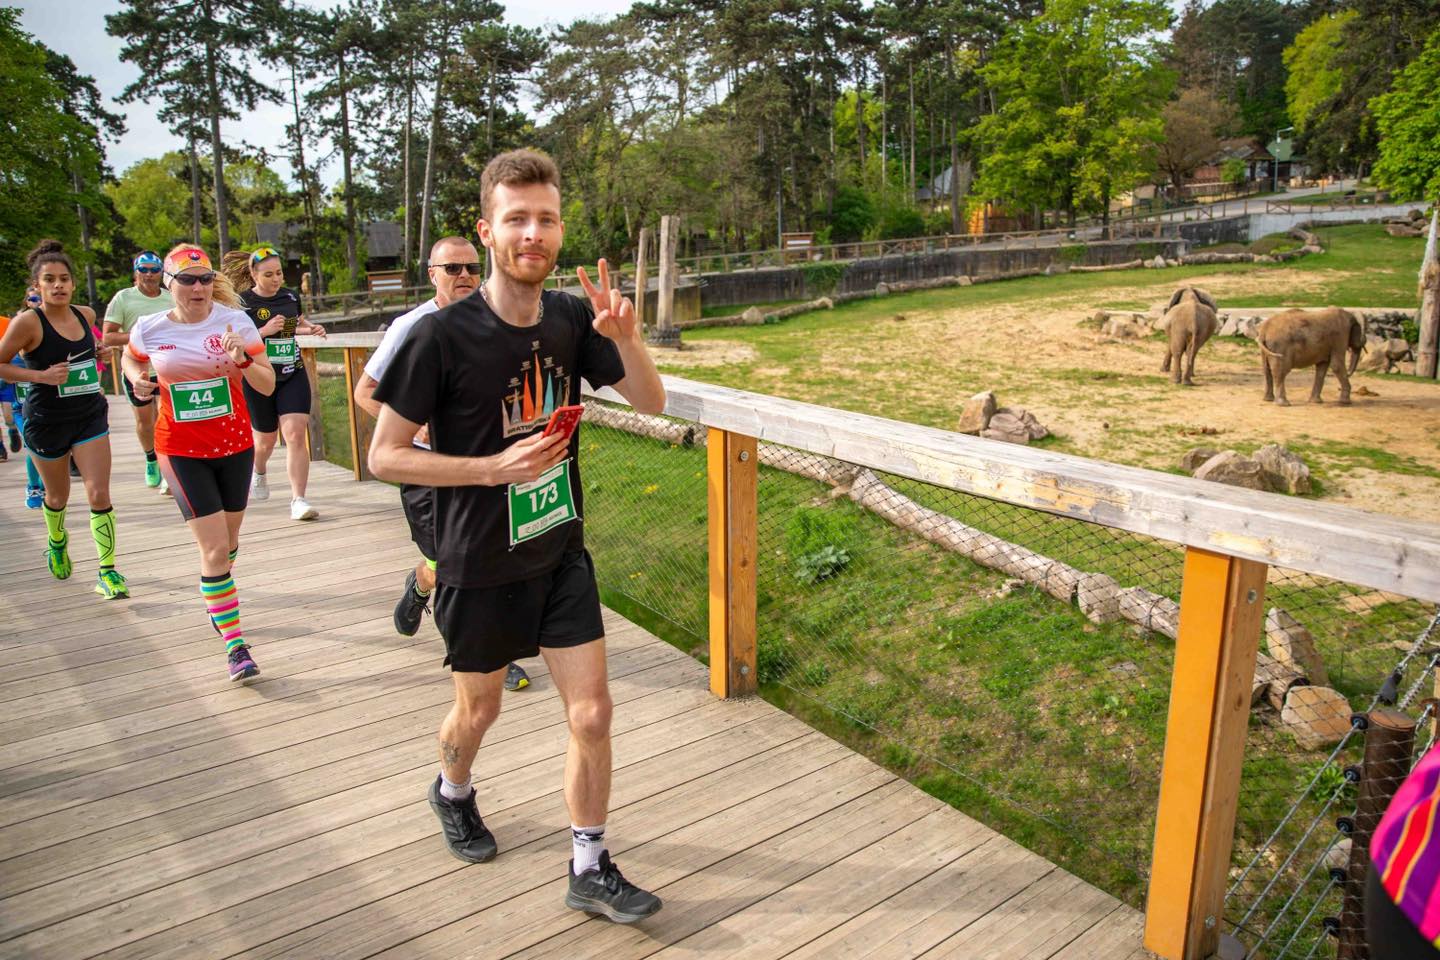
(1222,604)
(731,496)
(316,430)
(362,425)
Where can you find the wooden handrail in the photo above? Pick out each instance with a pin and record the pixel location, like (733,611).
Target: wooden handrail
(1330,540)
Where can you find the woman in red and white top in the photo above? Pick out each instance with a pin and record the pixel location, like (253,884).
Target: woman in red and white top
(202,350)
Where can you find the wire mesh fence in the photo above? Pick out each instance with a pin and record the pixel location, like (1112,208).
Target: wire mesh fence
(1015,663)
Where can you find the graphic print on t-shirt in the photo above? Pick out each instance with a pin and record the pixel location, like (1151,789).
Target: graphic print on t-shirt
(541,387)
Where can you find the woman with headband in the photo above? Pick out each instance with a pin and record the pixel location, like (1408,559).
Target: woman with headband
(66,415)
(277,314)
(203,350)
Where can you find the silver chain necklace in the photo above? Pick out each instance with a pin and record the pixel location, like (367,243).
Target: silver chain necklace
(485,294)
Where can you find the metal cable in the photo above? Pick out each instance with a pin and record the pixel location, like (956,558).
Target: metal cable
(1309,915)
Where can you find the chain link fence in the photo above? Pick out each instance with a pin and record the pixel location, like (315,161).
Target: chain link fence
(1012,662)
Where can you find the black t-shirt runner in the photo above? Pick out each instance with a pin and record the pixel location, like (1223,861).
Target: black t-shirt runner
(483,384)
(279,349)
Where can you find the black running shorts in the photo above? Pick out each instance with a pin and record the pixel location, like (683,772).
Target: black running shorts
(290,396)
(51,441)
(419,504)
(203,486)
(136,401)
(486,628)
(1389,932)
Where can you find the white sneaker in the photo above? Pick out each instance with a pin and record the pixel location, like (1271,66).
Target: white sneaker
(165,488)
(259,487)
(300,510)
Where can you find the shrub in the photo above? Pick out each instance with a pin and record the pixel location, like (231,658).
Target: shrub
(853,215)
(1072,252)
(822,278)
(901,222)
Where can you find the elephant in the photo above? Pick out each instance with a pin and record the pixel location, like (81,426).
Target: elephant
(1304,338)
(1190,320)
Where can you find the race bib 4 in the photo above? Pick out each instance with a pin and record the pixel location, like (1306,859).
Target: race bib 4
(83,378)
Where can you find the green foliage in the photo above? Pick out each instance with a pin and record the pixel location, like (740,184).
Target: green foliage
(854,214)
(42,145)
(1408,119)
(901,222)
(821,278)
(154,198)
(1232,171)
(821,565)
(810,530)
(1083,129)
(773,658)
(1072,252)
(1313,75)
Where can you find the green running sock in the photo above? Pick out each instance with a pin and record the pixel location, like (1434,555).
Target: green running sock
(233,554)
(54,524)
(430,563)
(102,529)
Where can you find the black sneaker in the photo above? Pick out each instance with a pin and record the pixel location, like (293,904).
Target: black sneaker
(410,608)
(14,440)
(606,892)
(516,678)
(465,833)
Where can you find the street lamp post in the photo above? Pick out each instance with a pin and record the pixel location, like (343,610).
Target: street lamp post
(1275,160)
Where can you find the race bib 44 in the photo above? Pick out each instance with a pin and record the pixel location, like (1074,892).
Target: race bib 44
(540,505)
(201,399)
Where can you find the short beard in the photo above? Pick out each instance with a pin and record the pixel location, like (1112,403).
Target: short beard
(504,268)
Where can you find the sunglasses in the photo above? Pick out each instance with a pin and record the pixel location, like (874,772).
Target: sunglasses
(263,253)
(147,269)
(453,269)
(190,279)
(32,299)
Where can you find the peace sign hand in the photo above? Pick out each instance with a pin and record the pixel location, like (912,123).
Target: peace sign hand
(233,345)
(614,314)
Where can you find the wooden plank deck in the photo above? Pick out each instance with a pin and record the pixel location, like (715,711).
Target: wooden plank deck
(148,809)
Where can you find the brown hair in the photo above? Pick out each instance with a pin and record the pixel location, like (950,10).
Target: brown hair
(224,289)
(517,168)
(236,267)
(47,251)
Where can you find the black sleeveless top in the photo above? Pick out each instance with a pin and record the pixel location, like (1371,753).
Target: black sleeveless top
(285,304)
(81,395)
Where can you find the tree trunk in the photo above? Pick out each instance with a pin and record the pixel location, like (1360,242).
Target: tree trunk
(884,137)
(1429,317)
(490,111)
(222,206)
(955,215)
(346,157)
(84,215)
(423,253)
(311,227)
(912,132)
(194,189)
(407,191)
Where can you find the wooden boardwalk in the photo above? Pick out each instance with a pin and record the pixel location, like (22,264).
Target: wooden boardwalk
(148,809)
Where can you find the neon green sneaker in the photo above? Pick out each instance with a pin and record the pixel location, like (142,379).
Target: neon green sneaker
(57,558)
(152,473)
(111,585)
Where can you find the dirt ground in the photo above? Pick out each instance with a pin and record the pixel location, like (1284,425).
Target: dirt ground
(1107,399)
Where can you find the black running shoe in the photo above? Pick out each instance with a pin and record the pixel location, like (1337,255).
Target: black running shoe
(516,678)
(14,440)
(606,892)
(465,833)
(410,608)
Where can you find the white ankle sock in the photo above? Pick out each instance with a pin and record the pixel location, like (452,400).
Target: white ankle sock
(453,791)
(588,843)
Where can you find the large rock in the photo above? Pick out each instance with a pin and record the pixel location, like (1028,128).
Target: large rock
(1317,716)
(963,280)
(1248,326)
(1158,262)
(882,289)
(1033,426)
(1195,459)
(975,415)
(1403,230)
(1374,357)
(1234,469)
(752,317)
(1284,471)
(1293,646)
(1229,326)
(1007,427)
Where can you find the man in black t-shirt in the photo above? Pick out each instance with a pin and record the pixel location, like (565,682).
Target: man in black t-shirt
(513,576)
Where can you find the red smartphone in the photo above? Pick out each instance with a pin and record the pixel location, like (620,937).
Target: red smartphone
(564,420)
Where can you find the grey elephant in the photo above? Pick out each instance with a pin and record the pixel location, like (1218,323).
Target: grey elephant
(1305,338)
(1190,320)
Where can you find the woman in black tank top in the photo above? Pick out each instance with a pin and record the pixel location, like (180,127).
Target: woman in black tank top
(66,413)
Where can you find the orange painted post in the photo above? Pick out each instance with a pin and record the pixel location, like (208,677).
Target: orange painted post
(1222,604)
(731,496)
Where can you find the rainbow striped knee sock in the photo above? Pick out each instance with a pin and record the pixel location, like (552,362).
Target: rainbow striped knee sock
(222,602)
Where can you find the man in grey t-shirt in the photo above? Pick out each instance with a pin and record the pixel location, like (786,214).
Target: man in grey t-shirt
(146,297)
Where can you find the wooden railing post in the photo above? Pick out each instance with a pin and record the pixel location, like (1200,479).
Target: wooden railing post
(362,425)
(731,497)
(1222,604)
(316,430)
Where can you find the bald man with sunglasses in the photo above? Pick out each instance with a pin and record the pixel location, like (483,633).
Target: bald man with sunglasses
(455,273)
(144,298)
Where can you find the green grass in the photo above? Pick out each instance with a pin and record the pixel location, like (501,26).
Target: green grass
(732,310)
